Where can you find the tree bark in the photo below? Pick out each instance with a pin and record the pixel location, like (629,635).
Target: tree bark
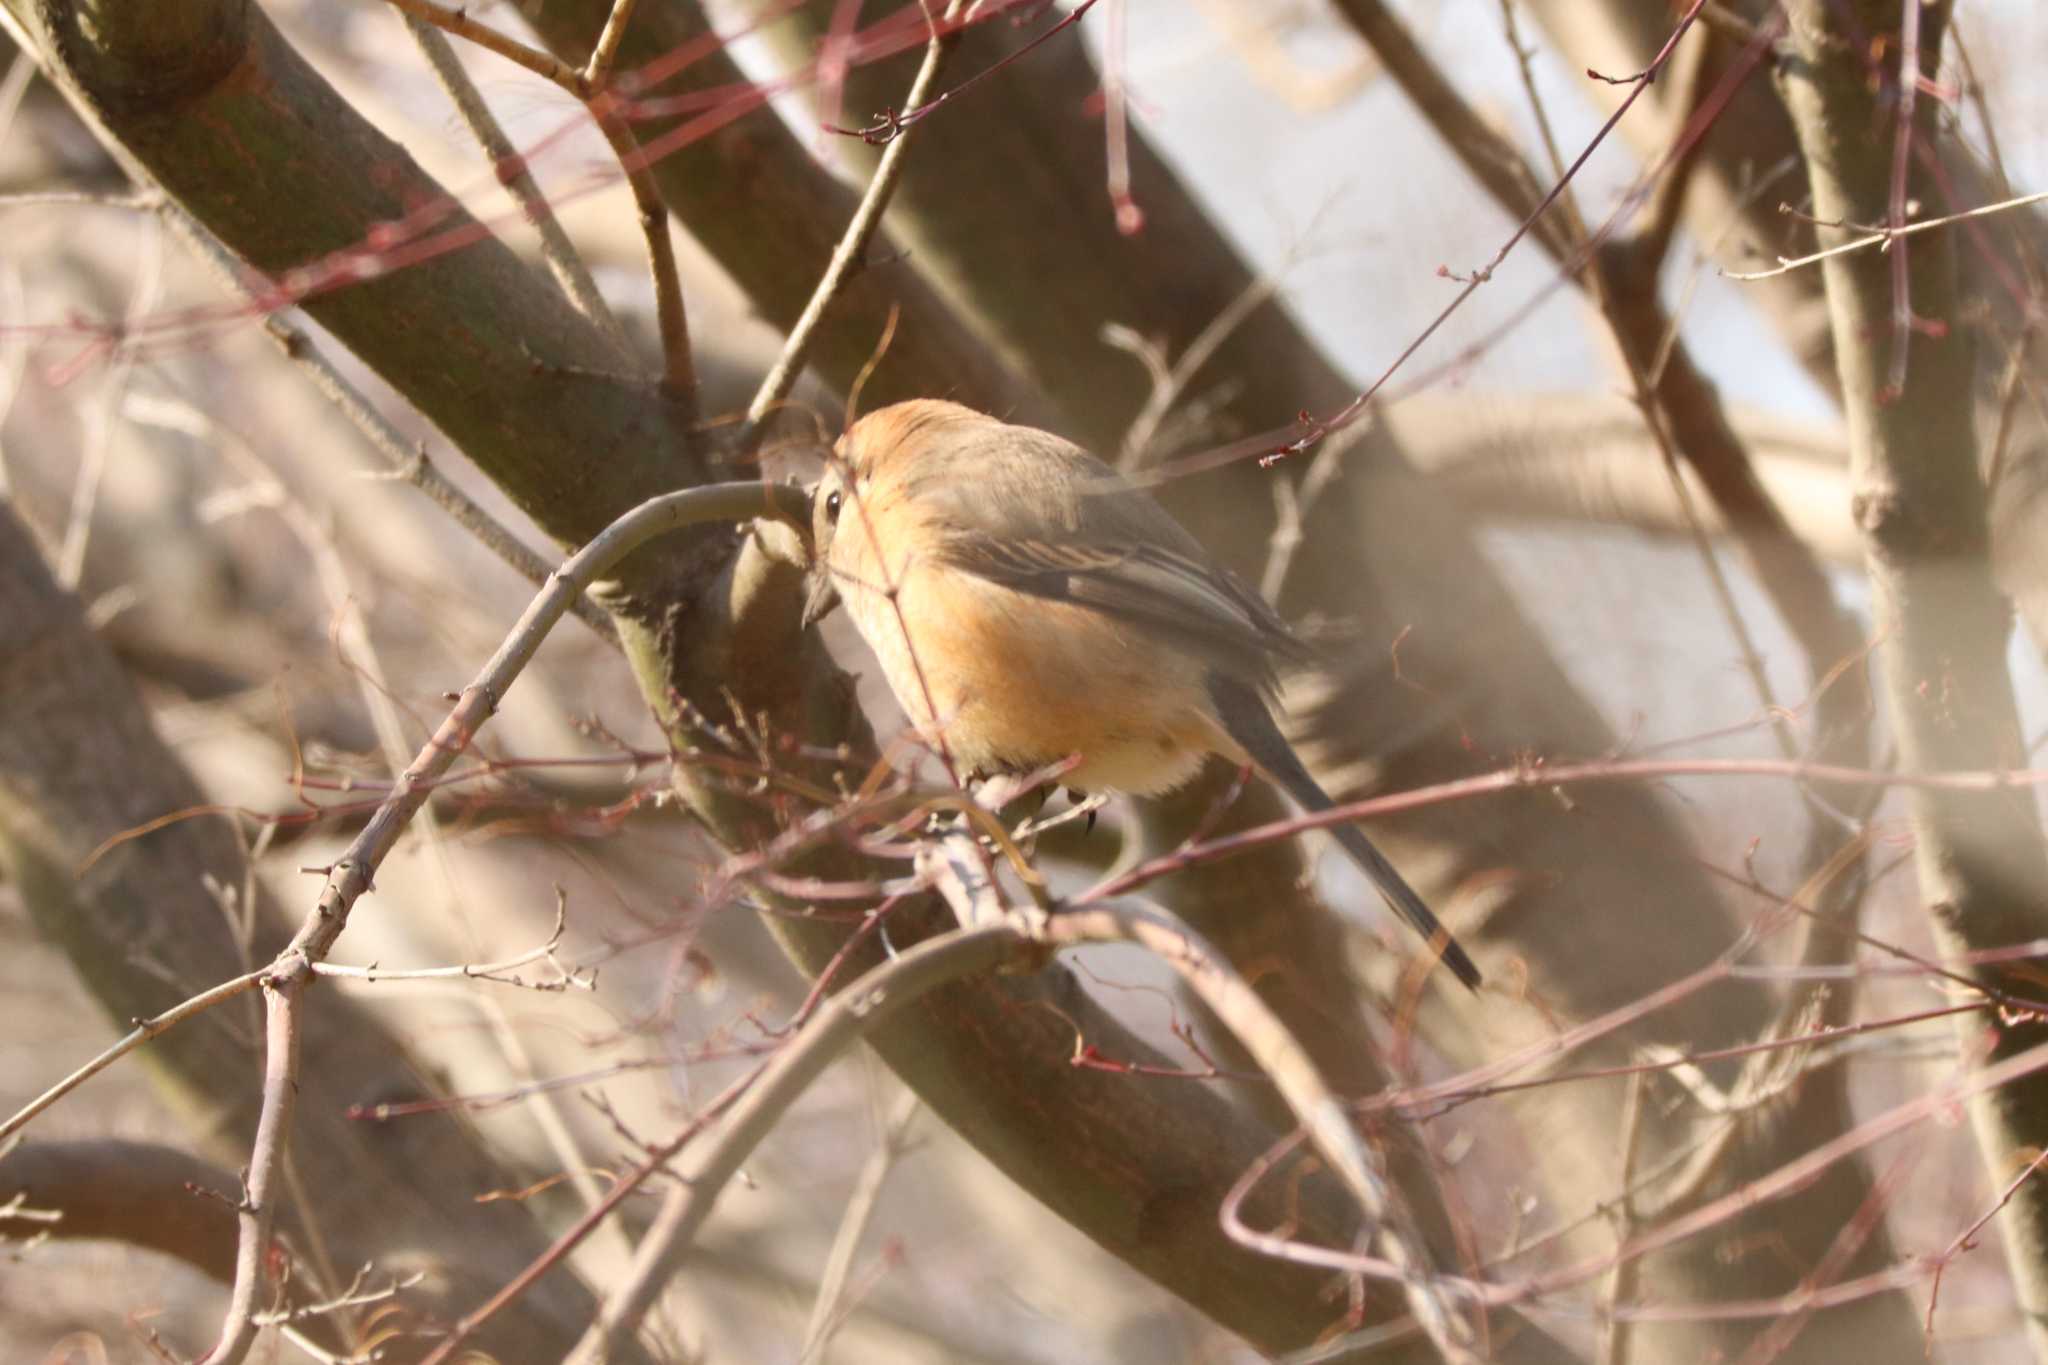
(1919,498)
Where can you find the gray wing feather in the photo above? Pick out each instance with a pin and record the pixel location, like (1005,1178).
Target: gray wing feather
(1195,606)
(1112,548)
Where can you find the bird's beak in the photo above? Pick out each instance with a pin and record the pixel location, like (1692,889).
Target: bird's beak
(823,596)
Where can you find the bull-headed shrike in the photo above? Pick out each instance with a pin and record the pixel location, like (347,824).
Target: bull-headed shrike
(1029,606)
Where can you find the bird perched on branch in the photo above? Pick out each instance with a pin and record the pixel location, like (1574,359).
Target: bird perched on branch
(1028,605)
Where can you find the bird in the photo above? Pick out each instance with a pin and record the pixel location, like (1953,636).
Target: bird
(1029,606)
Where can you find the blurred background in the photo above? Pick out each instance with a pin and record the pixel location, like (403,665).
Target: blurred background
(292,612)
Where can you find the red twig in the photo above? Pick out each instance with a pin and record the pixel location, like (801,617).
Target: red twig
(1895,212)
(1319,428)
(889,124)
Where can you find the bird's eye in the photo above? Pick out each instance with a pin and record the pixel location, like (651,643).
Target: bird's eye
(832,508)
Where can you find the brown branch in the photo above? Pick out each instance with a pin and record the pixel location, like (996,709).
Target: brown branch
(256,1210)
(353,872)
(564,262)
(1492,160)
(596,73)
(137,1193)
(1699,427)
(80,762)
(1311,429)
(895,984)
(1921,502)
(456,20)
(412,465)
(849,255)
(753,194)
(2000,265)
(679,374)
(589,84)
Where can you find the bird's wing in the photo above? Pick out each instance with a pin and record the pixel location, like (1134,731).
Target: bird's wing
(1063,525)
(1163,590)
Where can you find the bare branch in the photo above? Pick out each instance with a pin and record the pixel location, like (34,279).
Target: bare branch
(833,1303)
(849,256)
(256,1211)
(679,373)
(458,22)
(867,1003)
(1882,237)
(1921,502)
(352,873)
(564,262)
(134,1038)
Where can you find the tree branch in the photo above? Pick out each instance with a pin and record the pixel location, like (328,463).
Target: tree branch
(1920,501)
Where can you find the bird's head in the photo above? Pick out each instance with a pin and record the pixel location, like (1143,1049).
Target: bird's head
(890,443)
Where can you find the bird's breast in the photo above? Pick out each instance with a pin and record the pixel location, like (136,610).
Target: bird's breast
(1011,682)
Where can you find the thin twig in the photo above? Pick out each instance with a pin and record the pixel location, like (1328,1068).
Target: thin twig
(1546,132)
(1880,236)
(1786,1179)
(403,461)
(13,88)
(483,971)
(138,201)
(839,1023)
(1536,222)
(589,84)
(1130,218)
(1624,285)
(1661,215)
(1170,382)
(257,1210)
(679,374)
(1281,1057)
(1682,412)
(1896,208)
(352,873)
(849,254)
(564,262)
(1485,153)
(1966,1240)
(890,125)
(1774,1341)
(829,1309)
(1621,1285)
(104,418)
(354,642)
(458,22)
(893,984)
(142,1032)
(597,72)
(2010,385)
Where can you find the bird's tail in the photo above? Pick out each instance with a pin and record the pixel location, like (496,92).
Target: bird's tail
(1244,714)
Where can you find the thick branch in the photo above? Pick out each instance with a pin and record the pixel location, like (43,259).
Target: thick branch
(1749,169)
(1920,500)
(342,209)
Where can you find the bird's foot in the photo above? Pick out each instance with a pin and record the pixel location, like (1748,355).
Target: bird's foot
(1085,807)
